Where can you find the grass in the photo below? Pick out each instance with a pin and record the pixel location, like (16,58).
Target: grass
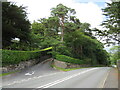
(4,74)
(62,69)
(69,69)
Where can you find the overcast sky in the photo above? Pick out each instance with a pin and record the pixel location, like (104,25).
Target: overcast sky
(87,10)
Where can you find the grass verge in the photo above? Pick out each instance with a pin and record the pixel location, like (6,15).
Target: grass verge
(4,74)
(70,69)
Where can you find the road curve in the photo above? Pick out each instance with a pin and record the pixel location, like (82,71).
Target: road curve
(43,76)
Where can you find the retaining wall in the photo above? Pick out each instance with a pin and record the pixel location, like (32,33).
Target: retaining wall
(66,65)
(24,64)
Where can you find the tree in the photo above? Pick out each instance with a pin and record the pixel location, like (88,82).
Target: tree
(112,23)
(114,54)
(63,13)
(14,23)
(79,41)
(47,30)
(86,48)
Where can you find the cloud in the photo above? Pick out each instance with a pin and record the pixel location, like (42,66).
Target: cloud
(86,12)
(89,12)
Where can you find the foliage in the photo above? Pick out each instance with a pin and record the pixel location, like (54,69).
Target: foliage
(15,57)
(63,13)
(114,54)
(14,23)
(68,59)
(62,49)
(84,46)
(112,23)
(68,69)
(0,57)
(79,44)
(4,74)
(19,46)
(47,32)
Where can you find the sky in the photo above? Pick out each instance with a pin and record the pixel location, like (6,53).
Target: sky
(86,10)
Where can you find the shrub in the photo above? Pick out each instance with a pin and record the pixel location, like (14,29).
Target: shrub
(69,59)
(53,53)
(64,50)
(15,57)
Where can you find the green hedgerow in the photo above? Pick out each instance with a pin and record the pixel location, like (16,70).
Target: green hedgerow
(15,57)
(69,59)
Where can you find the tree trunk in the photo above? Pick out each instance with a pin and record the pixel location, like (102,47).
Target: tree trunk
(62,32)
(81,51)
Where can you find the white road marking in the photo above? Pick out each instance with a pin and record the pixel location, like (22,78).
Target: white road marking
(103,82)
(30,73)
(64,79)
(24,80)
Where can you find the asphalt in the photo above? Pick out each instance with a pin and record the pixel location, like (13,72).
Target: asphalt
(112,79)
(44,76)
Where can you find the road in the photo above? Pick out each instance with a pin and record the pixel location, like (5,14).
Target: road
(44,76)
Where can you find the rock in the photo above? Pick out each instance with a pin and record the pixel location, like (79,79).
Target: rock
(60,64)
(20,66)
(66,65)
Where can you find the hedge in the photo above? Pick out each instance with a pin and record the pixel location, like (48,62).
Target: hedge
(69,59)
(15,57)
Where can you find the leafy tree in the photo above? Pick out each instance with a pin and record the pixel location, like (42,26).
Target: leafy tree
(47,30)
(114,54)
(112,23)
(14,23)
(86,48)
(63,13)
(79,42)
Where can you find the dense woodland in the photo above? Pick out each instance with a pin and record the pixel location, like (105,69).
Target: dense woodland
(62,31)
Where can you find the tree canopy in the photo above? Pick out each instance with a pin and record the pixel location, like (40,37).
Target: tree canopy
(63,13)
(114,54)
(76,39)
(112,23)
(14,23)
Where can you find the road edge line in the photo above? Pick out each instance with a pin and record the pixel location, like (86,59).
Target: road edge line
(63,79)
(103,84)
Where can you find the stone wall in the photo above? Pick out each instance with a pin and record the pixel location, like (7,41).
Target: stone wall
(68,65)
(20,66)
(60,64)
(23,64)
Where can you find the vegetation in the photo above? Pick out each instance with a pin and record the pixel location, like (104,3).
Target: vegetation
(76,43)
(68,59)
(112,30)
(4,74)
(14,24)
(14,57)
(63,13)
(79,42)
(63,69)
(111,25)
(114,54)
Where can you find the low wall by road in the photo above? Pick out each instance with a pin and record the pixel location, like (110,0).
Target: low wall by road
(66,65)
(24,64)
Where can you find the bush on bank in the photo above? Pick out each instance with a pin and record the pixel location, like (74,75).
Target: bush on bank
(69,59)
(14,57)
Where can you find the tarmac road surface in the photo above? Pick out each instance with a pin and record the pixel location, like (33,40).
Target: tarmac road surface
(44,76)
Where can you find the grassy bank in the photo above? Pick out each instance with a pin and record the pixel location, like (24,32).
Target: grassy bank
(69,69)
(10,57)
(4,74)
